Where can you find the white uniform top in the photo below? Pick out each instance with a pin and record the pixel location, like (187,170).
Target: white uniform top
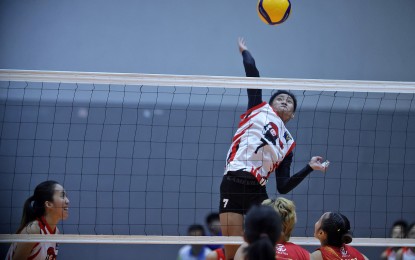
(260,143)
(408,253)
(40,251)
(185,253)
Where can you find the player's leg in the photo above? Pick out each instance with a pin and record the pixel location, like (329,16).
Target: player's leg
(231,212)
(238,192)
(231,225)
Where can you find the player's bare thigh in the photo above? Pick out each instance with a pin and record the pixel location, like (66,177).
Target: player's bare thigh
(231,225)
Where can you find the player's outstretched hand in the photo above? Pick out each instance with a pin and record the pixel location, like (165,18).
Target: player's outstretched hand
(242,45)
(316,162)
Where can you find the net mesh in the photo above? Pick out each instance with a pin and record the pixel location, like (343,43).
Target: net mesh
(147,158)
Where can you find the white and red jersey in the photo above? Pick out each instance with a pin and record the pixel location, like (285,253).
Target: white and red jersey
(40,251)
(390,253)
(260,143)
(408,253)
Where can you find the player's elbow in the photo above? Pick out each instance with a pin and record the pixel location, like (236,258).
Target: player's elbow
(283,190)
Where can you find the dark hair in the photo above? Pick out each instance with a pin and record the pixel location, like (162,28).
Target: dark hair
(401,223)
(408,230)
(212,217)
(284,92)
(43,192)
(196,227)
(262,231)
(337,227)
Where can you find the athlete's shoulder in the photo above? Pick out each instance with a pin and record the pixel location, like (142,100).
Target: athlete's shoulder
(31,228)
(299,251)
(300,248)
(316,255)
(355,252)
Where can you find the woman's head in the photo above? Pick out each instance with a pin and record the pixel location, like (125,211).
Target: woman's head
(196,230)
(333,229)
(286,209)
(213,223)
(411,231)
(262,230)
(49,198)
(284,103)
(399,229)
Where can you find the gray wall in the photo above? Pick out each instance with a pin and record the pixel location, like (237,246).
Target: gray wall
(322,39)
(370,40)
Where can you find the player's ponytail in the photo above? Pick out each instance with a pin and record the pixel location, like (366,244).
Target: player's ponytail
(337,227)
(28,213)
(262,249)
(34,206)
(347,236)
(262,231)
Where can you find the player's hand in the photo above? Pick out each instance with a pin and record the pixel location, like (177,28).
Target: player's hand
(242,45)
(316,162)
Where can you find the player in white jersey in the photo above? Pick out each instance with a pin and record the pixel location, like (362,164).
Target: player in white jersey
(398,230)
(407,253)
(261,145)
(41,213)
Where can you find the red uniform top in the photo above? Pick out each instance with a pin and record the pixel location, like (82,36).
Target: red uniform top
(288,251)
(220,253)
(344,252)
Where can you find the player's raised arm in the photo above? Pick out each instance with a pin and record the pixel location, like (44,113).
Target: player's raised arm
(254,95)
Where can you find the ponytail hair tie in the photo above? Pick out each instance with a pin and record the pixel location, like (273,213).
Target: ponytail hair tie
(33,199)
(33,206)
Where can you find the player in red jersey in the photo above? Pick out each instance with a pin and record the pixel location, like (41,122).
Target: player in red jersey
(333,231)
(41,213)
(262,230)
(284,249)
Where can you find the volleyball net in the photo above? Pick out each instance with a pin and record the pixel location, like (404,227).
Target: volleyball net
(142,156)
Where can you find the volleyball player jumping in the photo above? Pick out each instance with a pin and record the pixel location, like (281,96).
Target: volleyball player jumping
(260,146)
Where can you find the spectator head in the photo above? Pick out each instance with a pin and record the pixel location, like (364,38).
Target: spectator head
(399,229)
(196,230)
(213,224)
(411,231)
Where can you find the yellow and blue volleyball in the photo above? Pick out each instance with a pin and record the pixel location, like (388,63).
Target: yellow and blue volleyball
(274,12)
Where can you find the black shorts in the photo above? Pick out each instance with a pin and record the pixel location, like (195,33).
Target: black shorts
(239,191)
